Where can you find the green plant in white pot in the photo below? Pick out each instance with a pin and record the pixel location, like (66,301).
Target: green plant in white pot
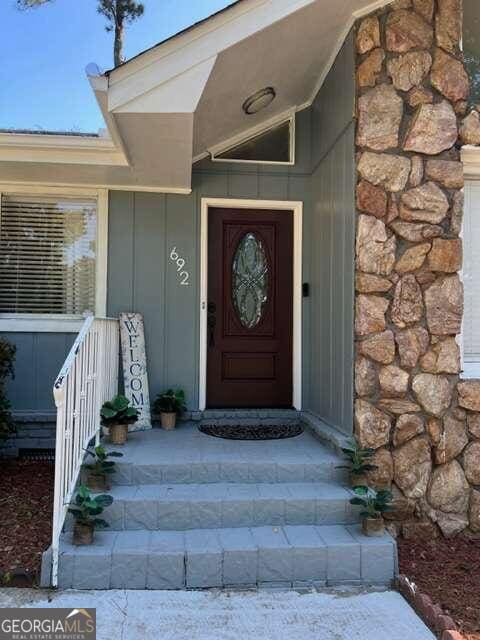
(169,405)
(374,504)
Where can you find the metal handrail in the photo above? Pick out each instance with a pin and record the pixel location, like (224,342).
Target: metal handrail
(88,377)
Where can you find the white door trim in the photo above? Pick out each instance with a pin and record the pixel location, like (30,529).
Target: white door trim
(277,205)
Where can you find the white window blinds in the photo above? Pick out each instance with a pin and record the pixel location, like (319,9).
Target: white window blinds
(471,274)
(47,255)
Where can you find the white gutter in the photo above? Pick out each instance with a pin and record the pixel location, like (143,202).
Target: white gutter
(31,147)
(99,84)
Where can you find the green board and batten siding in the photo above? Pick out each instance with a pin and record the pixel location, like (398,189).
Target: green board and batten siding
(332,250)
(38,361)
(145,227)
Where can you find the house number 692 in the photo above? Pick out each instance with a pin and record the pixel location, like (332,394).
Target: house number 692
(180,262)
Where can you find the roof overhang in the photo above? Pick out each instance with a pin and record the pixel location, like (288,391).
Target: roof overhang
(172,104)
(31,147)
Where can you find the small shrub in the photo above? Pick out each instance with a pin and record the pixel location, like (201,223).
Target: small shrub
(7,358)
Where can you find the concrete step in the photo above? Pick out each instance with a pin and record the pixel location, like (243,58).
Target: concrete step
(241,414)
(275,557)
(230,469)
(208,506)
(233,471)
(186,455)
(250,417)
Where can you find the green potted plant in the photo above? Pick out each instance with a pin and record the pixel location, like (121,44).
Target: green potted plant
(358,462)
(96,472)
(85,510)
(116,415)
(169,405)
(374,504)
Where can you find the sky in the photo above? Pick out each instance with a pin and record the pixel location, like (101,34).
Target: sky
(44,52)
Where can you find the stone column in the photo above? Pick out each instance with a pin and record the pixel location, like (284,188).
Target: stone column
(412,92)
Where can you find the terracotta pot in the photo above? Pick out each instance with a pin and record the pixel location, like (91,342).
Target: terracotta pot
(357,480)
(82,533)
(97,482)
(373,527)
(168,420)
(118,433)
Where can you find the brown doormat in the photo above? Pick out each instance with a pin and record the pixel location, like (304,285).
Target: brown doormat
(249,432)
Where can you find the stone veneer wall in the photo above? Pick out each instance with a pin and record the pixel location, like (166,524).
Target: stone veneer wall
(411,405)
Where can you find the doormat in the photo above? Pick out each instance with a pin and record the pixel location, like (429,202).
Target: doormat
(249,432)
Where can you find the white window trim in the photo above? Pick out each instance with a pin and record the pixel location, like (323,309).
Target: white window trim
(58,323)
(245,136)
(471,160)
(276,205)
(470,370)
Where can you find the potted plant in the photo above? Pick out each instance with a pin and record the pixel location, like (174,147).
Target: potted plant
(86,509)
(358,462)
(97,472)
(169,405)
(375,504)
(116,415)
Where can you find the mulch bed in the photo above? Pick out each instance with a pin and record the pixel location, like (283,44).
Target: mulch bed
(26,499)
(449,572)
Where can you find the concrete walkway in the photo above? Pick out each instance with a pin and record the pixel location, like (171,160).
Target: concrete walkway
(219,615)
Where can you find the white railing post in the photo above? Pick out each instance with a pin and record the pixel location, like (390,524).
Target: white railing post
(88,378)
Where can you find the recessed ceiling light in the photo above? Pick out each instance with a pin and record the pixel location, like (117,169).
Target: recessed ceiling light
(259,100)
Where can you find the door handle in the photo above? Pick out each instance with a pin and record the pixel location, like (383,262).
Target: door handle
(211,322)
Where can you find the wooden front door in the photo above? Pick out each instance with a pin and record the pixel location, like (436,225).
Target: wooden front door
(250,308)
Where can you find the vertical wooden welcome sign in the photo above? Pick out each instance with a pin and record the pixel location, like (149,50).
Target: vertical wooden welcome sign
(134,359)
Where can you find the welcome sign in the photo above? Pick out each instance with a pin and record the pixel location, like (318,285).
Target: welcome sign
(134,359)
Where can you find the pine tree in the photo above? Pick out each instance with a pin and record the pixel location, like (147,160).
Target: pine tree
(118,13)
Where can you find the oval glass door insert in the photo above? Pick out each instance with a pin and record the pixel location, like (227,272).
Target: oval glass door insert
(250,280)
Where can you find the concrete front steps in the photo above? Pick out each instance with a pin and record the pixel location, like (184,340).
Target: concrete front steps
(192,511)
(290,556)
(187,456)
(178,507)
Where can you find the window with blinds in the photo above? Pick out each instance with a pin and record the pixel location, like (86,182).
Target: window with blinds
(471,274)
(47,255)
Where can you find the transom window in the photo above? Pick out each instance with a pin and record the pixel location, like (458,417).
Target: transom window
(273,145)
(52,258)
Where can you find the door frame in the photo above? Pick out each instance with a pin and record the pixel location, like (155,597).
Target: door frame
(294,206)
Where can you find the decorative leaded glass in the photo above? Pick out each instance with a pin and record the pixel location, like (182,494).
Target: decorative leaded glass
(250,280)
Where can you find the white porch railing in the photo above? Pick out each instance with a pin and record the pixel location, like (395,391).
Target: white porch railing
(87,379)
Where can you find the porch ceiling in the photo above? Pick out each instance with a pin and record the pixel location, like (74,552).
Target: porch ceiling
(290,55)
(171,104)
